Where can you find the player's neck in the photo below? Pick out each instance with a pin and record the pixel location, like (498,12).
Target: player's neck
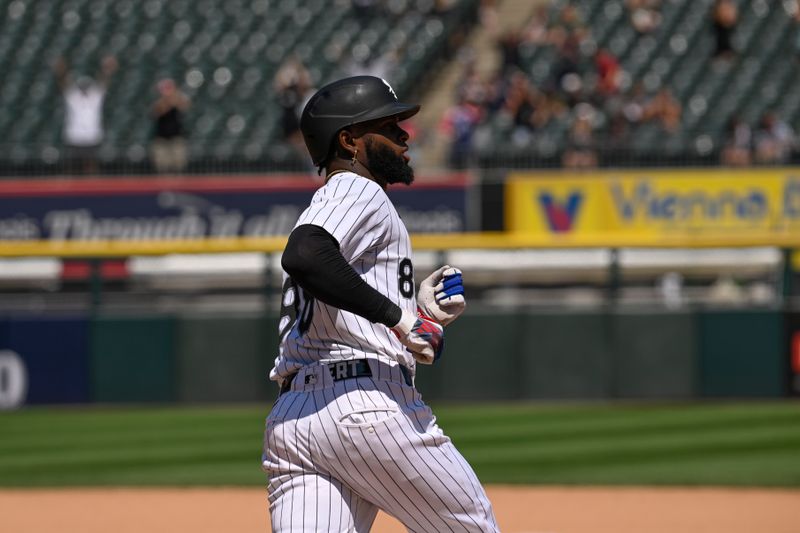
(332,173)
(340,165)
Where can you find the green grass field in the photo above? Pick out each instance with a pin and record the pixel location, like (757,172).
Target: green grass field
(745,444)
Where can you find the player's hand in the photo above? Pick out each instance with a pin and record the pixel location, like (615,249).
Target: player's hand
(441,295)
(423,337)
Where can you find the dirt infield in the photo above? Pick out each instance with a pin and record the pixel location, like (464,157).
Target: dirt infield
(519,510)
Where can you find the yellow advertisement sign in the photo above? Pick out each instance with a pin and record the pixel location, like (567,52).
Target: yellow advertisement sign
(655,203)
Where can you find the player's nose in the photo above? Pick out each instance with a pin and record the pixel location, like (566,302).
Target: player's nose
(403,137)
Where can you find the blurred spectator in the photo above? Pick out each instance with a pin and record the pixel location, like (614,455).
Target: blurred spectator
(569,25)
(458,125)
(566,71)
(527,109)
(292,84)
(581,150)
(737,150)
(518,104)
(608,72)
(83,119)
(619,113)
(488,15)
(537,30)
(634,103)
(724,18)
(509,44)
(470,82)
(546,107)
(168,149)
(617,126)
(665,109)
(494,92)
(774,140)
(645,15)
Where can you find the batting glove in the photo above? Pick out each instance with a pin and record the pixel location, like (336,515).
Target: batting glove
(423,337)
(441,295)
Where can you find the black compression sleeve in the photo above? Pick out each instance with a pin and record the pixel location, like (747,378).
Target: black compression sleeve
(313,259)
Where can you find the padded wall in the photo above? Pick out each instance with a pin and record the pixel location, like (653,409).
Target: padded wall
(133,359)
(222,359)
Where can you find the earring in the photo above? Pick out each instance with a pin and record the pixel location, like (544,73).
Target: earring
(354,161)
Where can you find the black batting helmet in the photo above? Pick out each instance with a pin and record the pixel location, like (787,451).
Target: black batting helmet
(346,102)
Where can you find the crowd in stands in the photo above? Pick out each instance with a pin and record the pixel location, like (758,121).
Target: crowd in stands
(293,83)
(587,104)
(771,142)
(89,131)
(84,130)
(589,92)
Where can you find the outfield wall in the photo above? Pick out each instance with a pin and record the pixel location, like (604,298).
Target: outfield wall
(488,356)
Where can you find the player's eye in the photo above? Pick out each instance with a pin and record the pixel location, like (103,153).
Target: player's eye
(394,129)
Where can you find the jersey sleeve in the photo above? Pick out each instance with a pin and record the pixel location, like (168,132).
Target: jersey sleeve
(354,211)
(313,259)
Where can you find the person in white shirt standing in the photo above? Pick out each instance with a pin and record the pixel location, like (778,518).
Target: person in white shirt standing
(83,113)
(349,433)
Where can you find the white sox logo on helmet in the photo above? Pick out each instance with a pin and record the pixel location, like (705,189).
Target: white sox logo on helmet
(390,88)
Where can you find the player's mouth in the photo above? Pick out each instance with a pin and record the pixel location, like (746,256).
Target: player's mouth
(406,157)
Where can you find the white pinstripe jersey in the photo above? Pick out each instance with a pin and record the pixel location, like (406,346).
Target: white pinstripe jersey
(375,242)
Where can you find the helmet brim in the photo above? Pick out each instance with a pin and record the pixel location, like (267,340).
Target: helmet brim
(400,110)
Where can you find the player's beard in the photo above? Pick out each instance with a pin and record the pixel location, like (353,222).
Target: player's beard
(388,166)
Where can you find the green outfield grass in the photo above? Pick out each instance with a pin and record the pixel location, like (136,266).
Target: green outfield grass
(754,444)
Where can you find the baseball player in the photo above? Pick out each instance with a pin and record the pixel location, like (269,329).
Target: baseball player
(349,434)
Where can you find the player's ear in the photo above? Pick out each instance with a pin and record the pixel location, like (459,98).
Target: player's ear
(347,141)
